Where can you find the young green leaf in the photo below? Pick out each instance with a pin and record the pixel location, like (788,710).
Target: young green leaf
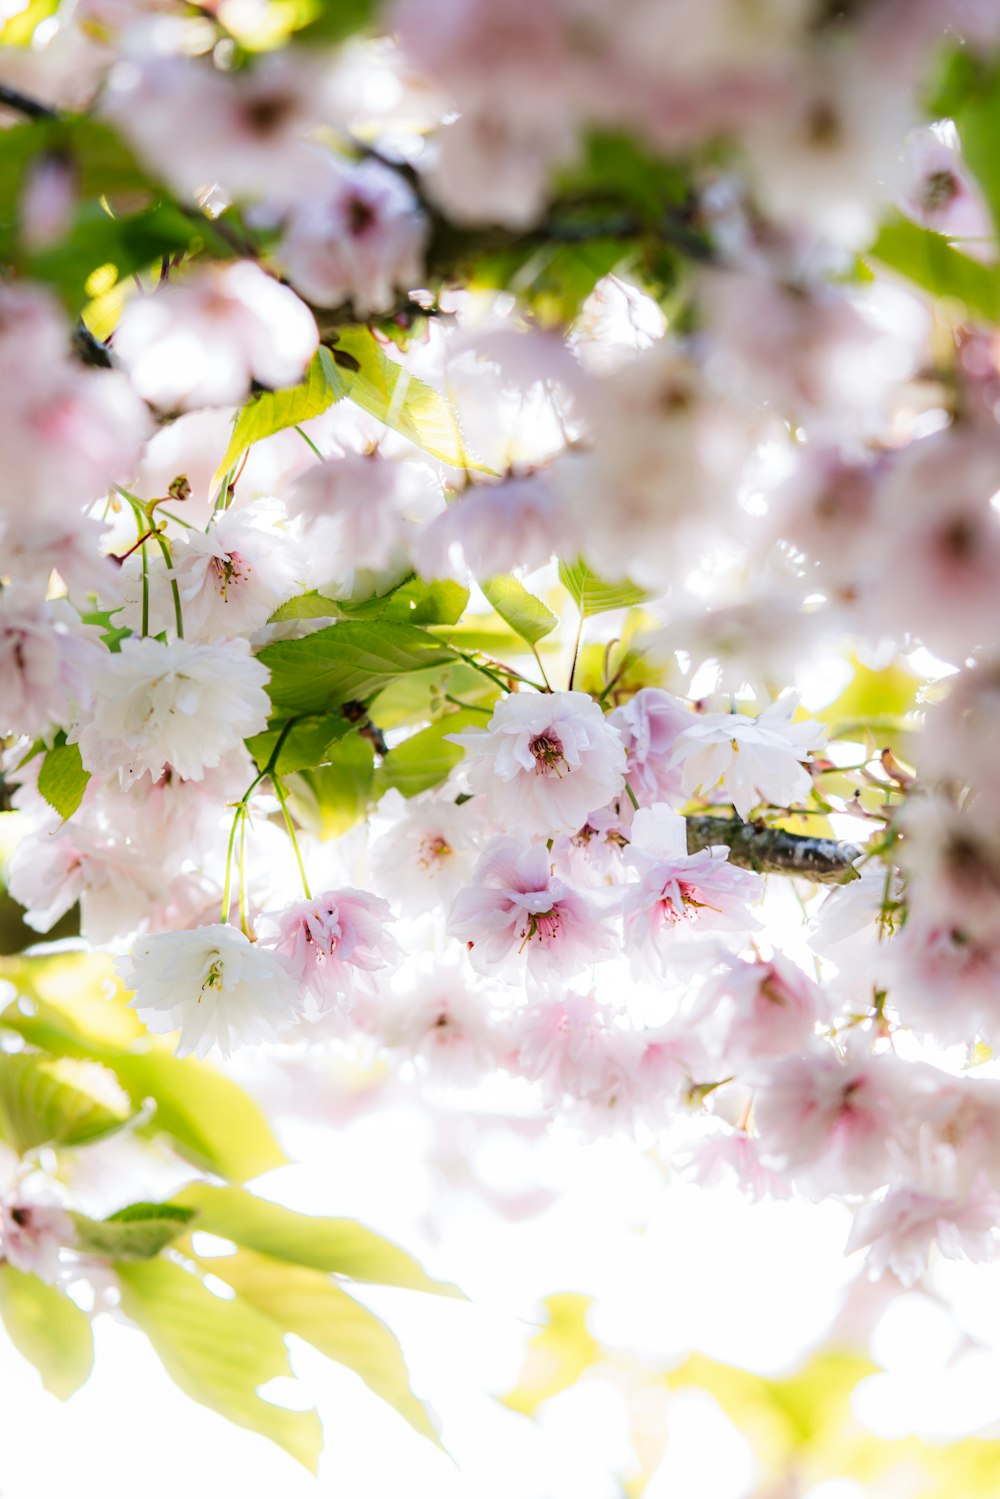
(62,779)
(335,1245)
(390,393)
(526,615)
(219,1352)
(930,262)
(277,409)
(307,743)
(427,757)
(346,662)
(48,1329)
(591,595)
(311,1305)
(137,1232)
(50,1101)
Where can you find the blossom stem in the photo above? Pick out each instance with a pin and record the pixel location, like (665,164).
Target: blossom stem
(282,796)
(576,652)
(244,903)
(164,546)
(541,668)
(308,440)
(631,793)
(145,590)
(227,884)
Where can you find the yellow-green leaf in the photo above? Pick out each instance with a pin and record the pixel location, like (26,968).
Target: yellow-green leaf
(218,1351)
(48,1329)
(336,1245)
(309,1304)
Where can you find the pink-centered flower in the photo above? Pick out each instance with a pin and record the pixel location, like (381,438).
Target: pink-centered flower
(332,944)
(676,889)
(650,724)
(517,917)
(545,761)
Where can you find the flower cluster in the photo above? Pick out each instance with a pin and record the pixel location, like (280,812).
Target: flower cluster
(415,561)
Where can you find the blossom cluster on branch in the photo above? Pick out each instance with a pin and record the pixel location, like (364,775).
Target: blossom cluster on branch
(436,463)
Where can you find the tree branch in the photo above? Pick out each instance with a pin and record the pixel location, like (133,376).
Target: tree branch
(773,851)
(34,109)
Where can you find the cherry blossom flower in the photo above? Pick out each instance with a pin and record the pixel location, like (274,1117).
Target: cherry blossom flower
(900,1229)
(34,1226)
(446,1027)
(46,664)
(650,723)
(676,889)
(332,944)
(428,854)
(544,761)
(182,705)
(574,1048)
(357,237)
(232,578)
(352,514)
(517,917)
(493,528)
(201,342)
(833,1124)
(754,759)
(219,989)
(764,1008)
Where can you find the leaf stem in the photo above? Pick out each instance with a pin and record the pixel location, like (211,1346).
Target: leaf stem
(307,439)
(282,796)
(576,653)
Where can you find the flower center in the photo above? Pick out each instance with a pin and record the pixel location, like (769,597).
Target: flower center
(229,569)
(547,751)
(434,848)
(541,924)
(213,979)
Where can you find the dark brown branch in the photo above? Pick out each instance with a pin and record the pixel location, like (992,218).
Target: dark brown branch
(752,845)
(34,109)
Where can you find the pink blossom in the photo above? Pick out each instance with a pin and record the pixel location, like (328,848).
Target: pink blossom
(491,529)
(835,1124)
(544,761)
(951,860)
(333,943)
(357,237)
(575,1048)
(202,341)
(446,1026)
(232,577)
(47,664)
(428,854)
(32,1232)
(764,1008)
(649,724)
(939,192)
(900,1229)
(516,916)
(352,512)
(675,888)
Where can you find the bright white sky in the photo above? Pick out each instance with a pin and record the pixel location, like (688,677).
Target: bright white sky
(670,1265)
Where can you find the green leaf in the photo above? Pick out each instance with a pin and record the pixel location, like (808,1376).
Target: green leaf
(331,798)
(334,20)
(62,779)
(311,605)
(345,663)
(307,1303)
(335,1245)
(48,1329)
(591,595)
(427,757)
(414,602)
(212,1122)
(390,393)
(928,260)
(137,1232)
(526,615)
(48,1101)
(275,410)
(218,1351)
(555,1359)
(978,121)
(308,743)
